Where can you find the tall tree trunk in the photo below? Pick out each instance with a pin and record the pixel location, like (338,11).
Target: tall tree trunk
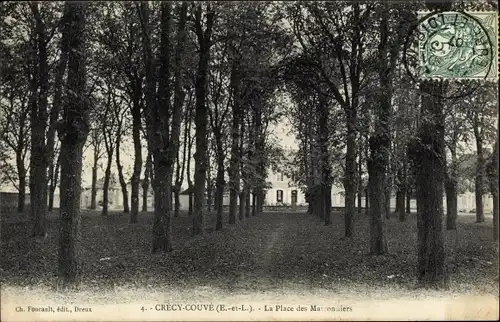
(400,196)
(378,163)
(234,179)
(376,180)
(145,183)
(408,200)
(21,197)
(121,177)
(179,177)
(246,192)
(451,190)
(136,136)
(167,144)
(209,193)
(105,187)
(53,182)
(428,155)
(326,185)
(201,117)
(479,180)
(350,170)
(21,174)
(73,134)
(93,189)
(493,172)
(220,182)
(241,166)
(39,117)
(54,115)
(189,180)
(360,180)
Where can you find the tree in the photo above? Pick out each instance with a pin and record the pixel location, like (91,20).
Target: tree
(493,172)
(120,132)
(341,54)
(380,140)
(72,130)
(14,124)
(163,138)
(201,114)
(39,88)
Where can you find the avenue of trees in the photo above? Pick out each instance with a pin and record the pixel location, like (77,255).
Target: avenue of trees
(207,81)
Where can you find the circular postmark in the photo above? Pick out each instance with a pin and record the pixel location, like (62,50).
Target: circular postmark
(452,46)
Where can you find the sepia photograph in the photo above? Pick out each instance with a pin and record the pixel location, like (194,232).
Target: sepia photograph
(249,160)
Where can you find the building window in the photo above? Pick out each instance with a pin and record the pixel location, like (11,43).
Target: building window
(279,196)
(280,176)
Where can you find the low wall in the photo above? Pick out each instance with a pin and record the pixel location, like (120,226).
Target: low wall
(8,201)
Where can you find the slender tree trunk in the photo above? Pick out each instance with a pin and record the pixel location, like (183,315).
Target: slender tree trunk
(189,180)
(451,191)
(234,180)
(162,222)
(408,201)
(93,190)
(493,172)
(201,118)
(376,180)
(220,183)
(121,177)
(451,203)
(428,155)
(367,197)
(21,197)
(105,187)
(246,192)
(400,196)
(53,182)
(254,203)
(209,194)
(136,136)
(39,118)
(326,187)
(479,181)
(360,181)
(350,171)
(74,134)
(145,182)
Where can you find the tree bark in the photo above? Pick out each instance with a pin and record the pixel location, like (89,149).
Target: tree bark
(326,185)
(136,84)
(93,189)
(451,190)
(376,180)
(400,195)
(39,118)
(21,197)
(493,172)
(105,187)
(220,182)
(427,153)
(145,182)
(350,171)
(479,181)
(72,134)
(234,179)
(53,182)
(201,117)
(121,178)
(408,200)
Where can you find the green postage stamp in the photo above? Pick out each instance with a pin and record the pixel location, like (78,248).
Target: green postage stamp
(458,45)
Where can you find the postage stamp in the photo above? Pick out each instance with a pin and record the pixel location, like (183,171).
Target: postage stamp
(458,45)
